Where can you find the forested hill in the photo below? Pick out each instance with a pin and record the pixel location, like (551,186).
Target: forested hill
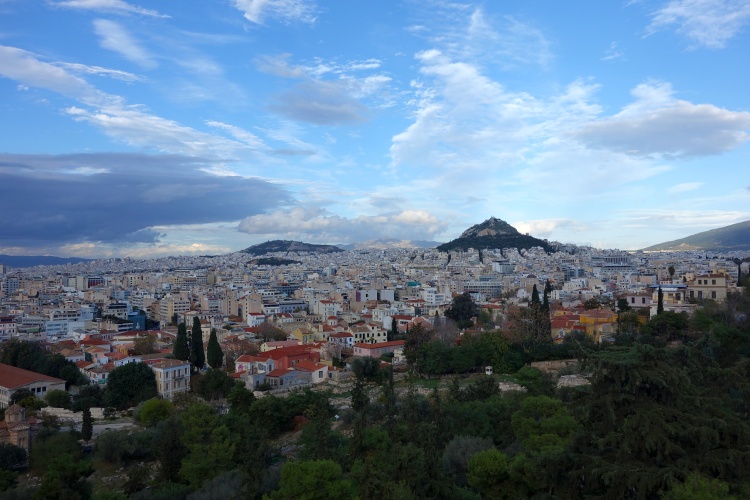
(286,246)
(493,233)
(735,237)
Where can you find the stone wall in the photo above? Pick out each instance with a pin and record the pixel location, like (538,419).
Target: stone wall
(552,367)
(71,416)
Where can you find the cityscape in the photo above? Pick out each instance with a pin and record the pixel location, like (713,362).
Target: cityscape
(294,249)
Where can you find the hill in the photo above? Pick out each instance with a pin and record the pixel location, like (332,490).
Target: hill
(493,233)
(284,246)
(19,261)
(735,237)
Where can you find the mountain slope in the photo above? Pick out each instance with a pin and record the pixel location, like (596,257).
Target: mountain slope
(735,237)
(277,246)
(19,261)
(493,233)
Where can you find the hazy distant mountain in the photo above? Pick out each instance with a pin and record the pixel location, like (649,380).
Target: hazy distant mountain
(386,243)
(493,233)
(724,239)
(38,260)
(276,246)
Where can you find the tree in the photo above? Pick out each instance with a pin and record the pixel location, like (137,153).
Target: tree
(660,302)
(130,384)
(155,411)
(214,384)
(87,426)
(415,339)
(181,348)
(11,456)
(670,269)
(313,480)
(393,332)
(654,415)
(20,395)
(145,344)
(535,296)
(58,399)
(169,449)
(197,354)
(462,310)
(488,472)
(90,395)
(214,354)
(591,303)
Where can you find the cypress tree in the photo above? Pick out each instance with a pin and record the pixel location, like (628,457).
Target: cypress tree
(535,297)
(181,348)
(660,302)
(197,354)
(87,427)
(214,354)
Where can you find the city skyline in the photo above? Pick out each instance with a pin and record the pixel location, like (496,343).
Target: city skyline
(146,129)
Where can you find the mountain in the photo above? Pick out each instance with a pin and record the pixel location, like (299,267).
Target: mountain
(386,243)
(38,260)
(735,237)
(277,246)
(493,233)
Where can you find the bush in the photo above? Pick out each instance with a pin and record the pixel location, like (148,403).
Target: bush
(58,399)
(11,456)
(121,447)
(154,411)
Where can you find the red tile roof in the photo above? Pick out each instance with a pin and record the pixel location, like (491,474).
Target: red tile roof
(12,377)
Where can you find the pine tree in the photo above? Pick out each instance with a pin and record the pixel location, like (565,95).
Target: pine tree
(214,354)
(87,427)
(181,348)
(197,354)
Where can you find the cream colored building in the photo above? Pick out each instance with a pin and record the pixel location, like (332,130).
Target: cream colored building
(172,377)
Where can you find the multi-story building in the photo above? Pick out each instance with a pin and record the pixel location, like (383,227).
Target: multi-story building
(708,286)
(172,376)
(8,328)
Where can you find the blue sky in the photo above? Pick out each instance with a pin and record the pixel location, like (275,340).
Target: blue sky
(135,128)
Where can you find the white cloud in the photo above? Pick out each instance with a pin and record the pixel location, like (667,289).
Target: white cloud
(99,71)
(117,6)
(684,187)
(710,23)
(658,124)
(700,220)
(256,11)
(544,228)
(612,53)
(115,38)
(314,224)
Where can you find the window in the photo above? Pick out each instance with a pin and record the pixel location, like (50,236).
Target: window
(700,294)
(643,300)
(713,282)
(632,300)
(713,295)
(320,374)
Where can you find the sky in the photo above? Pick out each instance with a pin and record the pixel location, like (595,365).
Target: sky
(151,128)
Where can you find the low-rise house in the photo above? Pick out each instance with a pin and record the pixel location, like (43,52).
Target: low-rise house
(318,371)
(378,349)
(287,379)
(344,339)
